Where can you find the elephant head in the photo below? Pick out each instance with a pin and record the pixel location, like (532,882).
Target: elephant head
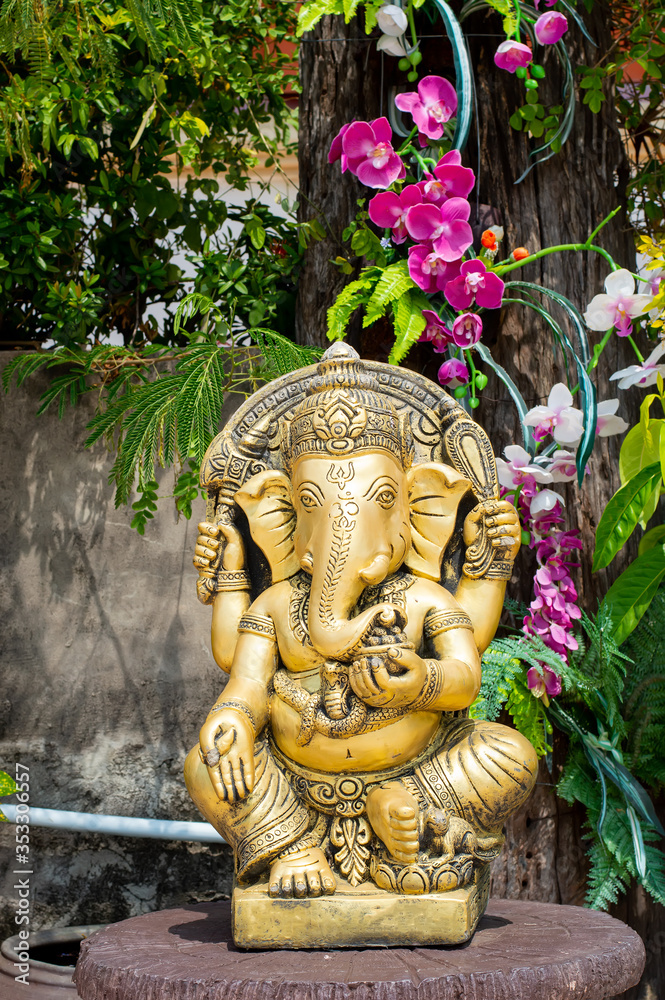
(350,523)
(349,510)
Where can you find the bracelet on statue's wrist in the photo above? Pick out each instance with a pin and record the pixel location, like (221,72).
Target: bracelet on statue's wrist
(237,706)
(231,579)
(432,687)
(500,569)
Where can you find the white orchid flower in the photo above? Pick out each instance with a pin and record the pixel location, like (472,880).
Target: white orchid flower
(518,467)
(559,418)
(561,466)
(607,422)
(392,46)
(392,20)
(545,501)
(644,374)
(618,306)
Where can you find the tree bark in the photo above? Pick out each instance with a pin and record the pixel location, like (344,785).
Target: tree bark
(560,201)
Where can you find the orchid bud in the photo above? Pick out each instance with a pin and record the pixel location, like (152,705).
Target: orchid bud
(392,20)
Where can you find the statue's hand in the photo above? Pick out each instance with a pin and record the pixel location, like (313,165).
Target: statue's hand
(227,747)
(501,521)
(392,678)
(218,546)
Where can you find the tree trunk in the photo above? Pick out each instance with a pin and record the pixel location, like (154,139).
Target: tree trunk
(560,201)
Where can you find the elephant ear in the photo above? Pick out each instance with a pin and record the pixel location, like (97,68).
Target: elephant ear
(266,500)
(435,492)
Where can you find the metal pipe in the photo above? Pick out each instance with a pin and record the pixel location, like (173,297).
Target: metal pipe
(118,826)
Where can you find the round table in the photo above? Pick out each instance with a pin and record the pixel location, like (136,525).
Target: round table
(521,950)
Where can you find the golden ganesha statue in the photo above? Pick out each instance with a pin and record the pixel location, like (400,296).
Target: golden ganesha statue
(355,553)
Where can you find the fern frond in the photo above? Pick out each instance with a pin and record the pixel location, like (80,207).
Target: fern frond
(499,669)
(282,354)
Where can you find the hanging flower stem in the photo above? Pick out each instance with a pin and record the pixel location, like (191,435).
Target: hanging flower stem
(505,267)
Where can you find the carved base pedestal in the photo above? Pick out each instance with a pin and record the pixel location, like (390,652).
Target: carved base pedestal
(520,951)
(357,916)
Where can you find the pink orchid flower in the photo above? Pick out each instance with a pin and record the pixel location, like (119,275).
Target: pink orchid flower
(467,330)
(607,422)
(559,418)
(550,27)
(430,271)
(388,210)
(645,374)
(511,54)
(446,227)
(449,180)
(543,682)
(336,149)
(433,105)
(618,306)
(453,373)
(475,282)
(519,469)
(436,332)
(370,155)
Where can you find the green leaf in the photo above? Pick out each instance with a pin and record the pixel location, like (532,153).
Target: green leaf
(656,536)
(409,323)
(394,281)
(622,514)
(638,451)
(257,235)
(7,784)
(631,594)
(516,121)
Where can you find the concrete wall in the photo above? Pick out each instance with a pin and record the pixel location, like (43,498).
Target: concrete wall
(106,673)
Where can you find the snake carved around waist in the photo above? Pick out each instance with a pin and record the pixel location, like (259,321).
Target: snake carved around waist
(360,718)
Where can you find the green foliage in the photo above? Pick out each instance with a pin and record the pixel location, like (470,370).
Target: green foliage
(99,104)
(157,407)
(353,295)
(499,668)
(622,514)
(7,787)
(632,592)
(613,712)
(644,694)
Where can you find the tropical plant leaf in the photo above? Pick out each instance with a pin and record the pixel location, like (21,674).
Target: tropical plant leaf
(631,593)
(638,451)
(622,515)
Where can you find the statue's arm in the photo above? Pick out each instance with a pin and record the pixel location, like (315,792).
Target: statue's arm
(224,583)
(227,736)
(482,597)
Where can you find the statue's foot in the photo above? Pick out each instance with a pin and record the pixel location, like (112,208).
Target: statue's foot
(304,873)
(393,814)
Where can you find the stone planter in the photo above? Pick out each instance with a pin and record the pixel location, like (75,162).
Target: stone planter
(53,955)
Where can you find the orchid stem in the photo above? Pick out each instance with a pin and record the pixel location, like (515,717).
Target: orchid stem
(502,269)
(407,142)
(412,25)
(598,350)
(636,349)
(577,247)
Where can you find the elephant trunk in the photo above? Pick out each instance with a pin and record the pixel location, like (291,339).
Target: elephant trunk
(336,588)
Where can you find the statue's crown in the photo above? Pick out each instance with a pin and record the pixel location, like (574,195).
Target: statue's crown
(344,412)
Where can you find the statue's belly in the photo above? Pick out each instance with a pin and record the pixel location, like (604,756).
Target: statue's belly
(394,744)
